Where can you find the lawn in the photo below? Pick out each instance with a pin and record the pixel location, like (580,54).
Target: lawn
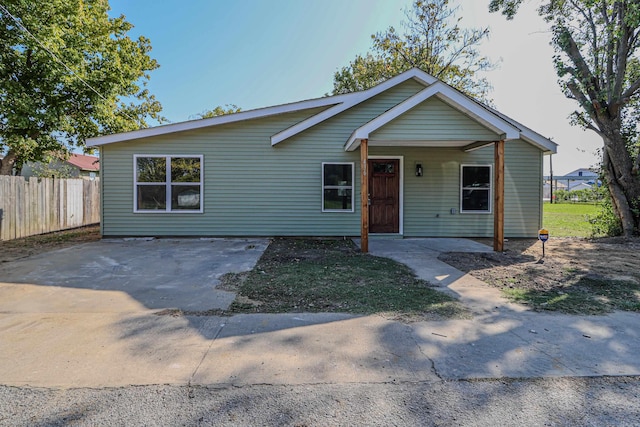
(569,219)
(296,275)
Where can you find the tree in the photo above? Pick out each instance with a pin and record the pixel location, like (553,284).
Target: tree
(53,169)
(432,41)
(598,45)
(68,72)
(219,111)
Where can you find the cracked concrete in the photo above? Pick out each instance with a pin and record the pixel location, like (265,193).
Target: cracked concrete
(92,336)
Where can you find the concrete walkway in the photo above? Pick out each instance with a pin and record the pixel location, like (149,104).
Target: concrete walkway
(60,339)
(421,255)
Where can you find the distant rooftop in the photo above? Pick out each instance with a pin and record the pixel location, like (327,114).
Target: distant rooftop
(84,162)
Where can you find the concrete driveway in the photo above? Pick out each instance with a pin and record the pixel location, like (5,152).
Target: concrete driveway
(154,274)
(88,316)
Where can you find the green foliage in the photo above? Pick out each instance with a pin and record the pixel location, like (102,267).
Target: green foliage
(151,169)
(185,169)
(68,72)
(578,196)
(53,170)
(508,7)
(219,111)
(432,41)
(605,222)
(597,45)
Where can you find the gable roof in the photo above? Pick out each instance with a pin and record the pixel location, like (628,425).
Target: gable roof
(353,99)
(84,162)
(582,172)
(490,118)
(444,93)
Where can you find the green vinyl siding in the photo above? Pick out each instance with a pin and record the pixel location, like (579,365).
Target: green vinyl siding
(254,189)
(250,187)
(429,199)
(433,120)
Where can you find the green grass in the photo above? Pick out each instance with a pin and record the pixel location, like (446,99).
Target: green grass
(333,276)
(587,296)
(568,219)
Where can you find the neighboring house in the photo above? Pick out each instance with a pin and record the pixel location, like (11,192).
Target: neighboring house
(580,174)
(578,179)
(425,150)
(583,185)
(78,166)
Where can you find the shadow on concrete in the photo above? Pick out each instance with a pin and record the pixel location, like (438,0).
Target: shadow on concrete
(100,343)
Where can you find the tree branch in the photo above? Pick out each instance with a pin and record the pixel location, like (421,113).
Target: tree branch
(631,90)
(610,47)
(621,63)
(581,98)
(588,18)
(570,47)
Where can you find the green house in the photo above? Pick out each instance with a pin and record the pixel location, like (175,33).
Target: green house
(411,157)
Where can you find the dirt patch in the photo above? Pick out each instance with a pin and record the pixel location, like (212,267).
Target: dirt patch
(570,264)
(11,250)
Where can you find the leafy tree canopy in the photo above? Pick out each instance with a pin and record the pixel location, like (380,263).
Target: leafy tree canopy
(68,72)
(219,111)
(598,65)
(431,40)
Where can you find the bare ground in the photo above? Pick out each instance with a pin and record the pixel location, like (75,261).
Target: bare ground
(11,250)
(569,264)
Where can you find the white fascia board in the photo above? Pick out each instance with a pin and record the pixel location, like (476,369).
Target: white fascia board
(545,144)
(448,95)
(532,137)
(353,100)
(363,131)
(312,121)
(476,111)
(215,121)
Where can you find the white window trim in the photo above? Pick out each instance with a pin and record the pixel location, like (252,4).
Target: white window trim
(167,184)
(491,183)
(353,184)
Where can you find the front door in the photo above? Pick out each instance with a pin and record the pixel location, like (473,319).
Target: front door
(384,196)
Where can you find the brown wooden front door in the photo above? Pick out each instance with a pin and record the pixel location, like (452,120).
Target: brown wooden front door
(384,196)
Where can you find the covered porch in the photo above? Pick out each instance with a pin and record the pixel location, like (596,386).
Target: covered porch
(436,117)
(381,193)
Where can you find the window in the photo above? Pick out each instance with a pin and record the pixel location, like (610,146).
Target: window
(337,187)
(476,189)
(167,183)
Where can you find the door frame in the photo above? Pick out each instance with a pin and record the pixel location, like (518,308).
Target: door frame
(401,190)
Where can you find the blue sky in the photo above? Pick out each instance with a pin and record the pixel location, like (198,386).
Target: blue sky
(256,53)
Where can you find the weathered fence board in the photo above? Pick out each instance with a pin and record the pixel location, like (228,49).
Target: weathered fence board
(43,205)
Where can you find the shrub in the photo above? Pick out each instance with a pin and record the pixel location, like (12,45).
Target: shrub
(605,222)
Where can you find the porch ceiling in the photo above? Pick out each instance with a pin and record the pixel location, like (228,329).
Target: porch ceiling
(421,143)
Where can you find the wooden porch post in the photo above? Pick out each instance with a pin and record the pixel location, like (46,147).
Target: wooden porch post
(498,199)
(364,196)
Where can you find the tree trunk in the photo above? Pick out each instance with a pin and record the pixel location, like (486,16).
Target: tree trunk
(623,183)
(7,163)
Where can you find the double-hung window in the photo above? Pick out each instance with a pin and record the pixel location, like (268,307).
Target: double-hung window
(165,183)
(337,187)
(475,194)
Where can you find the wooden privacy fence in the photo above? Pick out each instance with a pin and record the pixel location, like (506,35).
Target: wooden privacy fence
(43,205)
